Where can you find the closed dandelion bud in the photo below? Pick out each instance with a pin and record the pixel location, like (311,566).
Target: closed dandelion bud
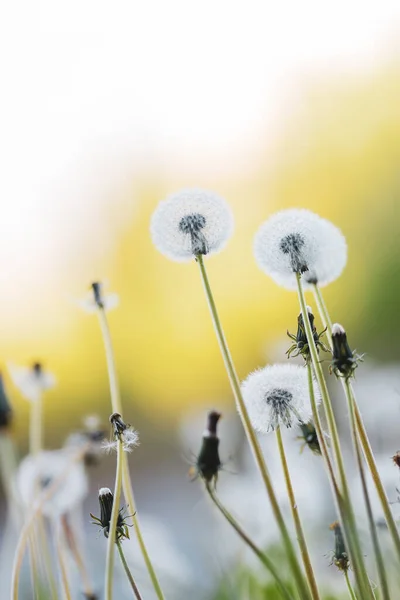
(190,223)
(5,408)
(208,462)
(278,396)
(298,241)
(345,361)
(301,347)
(340,557)
(106,501)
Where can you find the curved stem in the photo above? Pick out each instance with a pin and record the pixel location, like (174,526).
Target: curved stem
(128,572)
(363,436)
(112,534)
(35,427)
(62,562)
(349,525)
(372,527)
(250,434)
(126,479)
(349,586)
(77,555)
(296,519)
(263,557)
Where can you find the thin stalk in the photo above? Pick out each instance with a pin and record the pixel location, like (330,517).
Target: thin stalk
(126,478)
(263,557)
(45,553)
(363,436)
(296,519)
(109,574)
(349,586)
(62,563)
(77,555)
(372,527)
(128,572)
(349,524)
(27,529)
(35,427)
(251,436)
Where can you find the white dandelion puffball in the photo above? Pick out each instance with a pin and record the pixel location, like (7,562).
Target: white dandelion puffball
(96,298)
(299,241)
(191,222)
(31,381)
(36,473)
(278,395)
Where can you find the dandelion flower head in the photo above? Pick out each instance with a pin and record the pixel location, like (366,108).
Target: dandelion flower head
(190,223)
(299,241)
(278,395)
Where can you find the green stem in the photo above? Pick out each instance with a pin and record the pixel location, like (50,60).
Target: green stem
(349,586)
(62,563)
(372,527)
(296,519)
(363,436)
(263,557)
(126,479)
(73,545)
(128,572)
(251,436)
(349,525)
(35,427)
(112,535)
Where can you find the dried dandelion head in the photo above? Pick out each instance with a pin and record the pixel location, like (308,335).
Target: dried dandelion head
(31,381)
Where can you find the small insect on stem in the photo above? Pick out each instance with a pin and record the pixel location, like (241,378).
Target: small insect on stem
(300,346)
(208,462)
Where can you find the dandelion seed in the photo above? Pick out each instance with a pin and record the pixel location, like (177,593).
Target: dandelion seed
(208,462)
(345,361)
(278,395)
(106,501)
(340,556)
(299,241)
(31,382)
(96,299)
(5,408)
(41,470)
(190,223)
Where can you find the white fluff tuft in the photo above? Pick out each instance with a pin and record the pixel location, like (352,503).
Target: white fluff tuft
(278,395)
(215,230)
(129,438)
(104,491)
(337,329)
(322,248)
(31,383)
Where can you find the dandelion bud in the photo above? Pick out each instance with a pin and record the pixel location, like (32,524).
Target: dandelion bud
(191,223)
(345,361)
(301,344)
(278,395)
(5,408)
(340,556)
(118,424)
(106,501)
(297,241)
(208,462)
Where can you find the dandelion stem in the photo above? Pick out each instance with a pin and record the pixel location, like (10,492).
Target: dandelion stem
(362,433)
(349,586)
(35,427)
(77,555)
(63,566)
(296,519)
(372,526)
(112,534)
(263,557)
(128,572)
(251,436)
(347,515)
(126,479)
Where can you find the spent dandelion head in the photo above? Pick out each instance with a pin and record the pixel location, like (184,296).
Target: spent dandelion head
(96,299)
(31,381)
(92,436)
(340,558)
(300,345)
(106,501)
(190,223)
(278,396)
(208,462)
(123,432)
(297,241)
(5,407)
(345,361)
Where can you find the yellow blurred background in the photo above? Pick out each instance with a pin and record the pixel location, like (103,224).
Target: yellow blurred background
(112,108)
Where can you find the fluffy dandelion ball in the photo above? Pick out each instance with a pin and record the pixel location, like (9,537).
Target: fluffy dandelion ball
(278,396)
(299,241)
(190,223)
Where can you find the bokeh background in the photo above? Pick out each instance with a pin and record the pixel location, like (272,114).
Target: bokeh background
(109,107)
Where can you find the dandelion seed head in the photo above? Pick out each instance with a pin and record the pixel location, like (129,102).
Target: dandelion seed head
(299,241)
(40,471)
(191,222)
(278,395)
(31,381)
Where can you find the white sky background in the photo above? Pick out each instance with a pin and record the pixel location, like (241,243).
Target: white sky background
(94,91)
